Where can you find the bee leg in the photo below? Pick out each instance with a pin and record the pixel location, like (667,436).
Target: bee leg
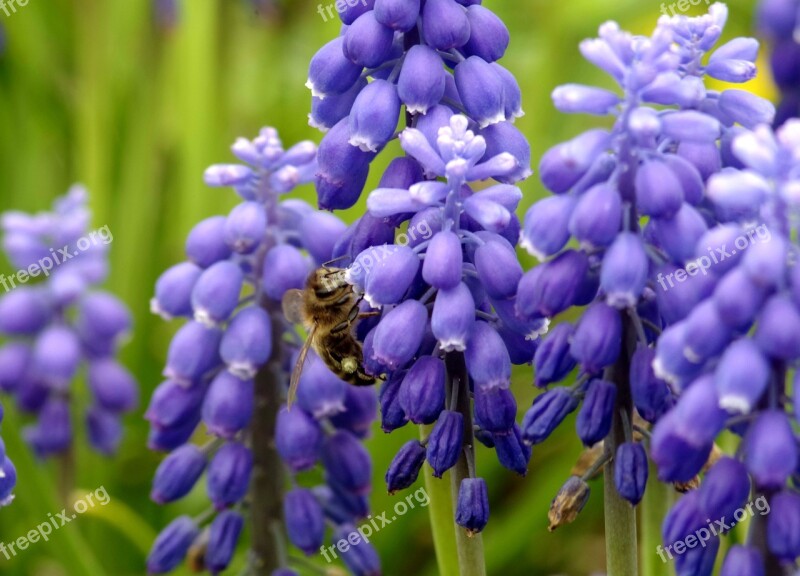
(369,314)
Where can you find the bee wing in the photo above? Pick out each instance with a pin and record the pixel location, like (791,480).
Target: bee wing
(293,305)
(298,368)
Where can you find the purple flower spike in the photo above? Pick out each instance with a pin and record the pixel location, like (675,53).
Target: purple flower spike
(445,24)
(177,474)
(597,217)
(206,244)
(743,561)
(14,362)
(443,263)
(367,42)
(229,475)
(512,451)
(347,462)
(321,393)
(421,82)
(472,509)
(57,356)
(783,526)
(624,273)
(487,358)
(343,169)
(174,291)
(651,396)
(422,394)
(285,268)
(194,352)
(222,539)
(546,229)
(445,442)
(495,409)
(553,361)
(453,317)
(770,448)
(597,412)
(565,164)
(374,116)
(171,546)
(216,294)
(489,37)
(774,334)
(399,334)
(298,437)
(228,406)
(305,521)
(361,559)
(247,342)
(173,403)
(546,413)
(405,467)
(113,387)
(482,90)
(553,287)
(330,72)
(498,269)
(245,227)
(598,337)
(630,471)
(742,376)
(725,488)
(23,311)
(390,276)
(400,15)
(658,190)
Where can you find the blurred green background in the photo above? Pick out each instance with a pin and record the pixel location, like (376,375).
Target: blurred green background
(96,91)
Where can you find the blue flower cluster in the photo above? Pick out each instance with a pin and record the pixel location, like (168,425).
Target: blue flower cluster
(780,21)
(739,379)
(446,284)
(633,198)
(432,57)
(60,323)
(239,267)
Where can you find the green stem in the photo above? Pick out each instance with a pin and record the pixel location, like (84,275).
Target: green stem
(441,514)
(471,559)
(620,516)
(267,483)
(656,503)
(620,519)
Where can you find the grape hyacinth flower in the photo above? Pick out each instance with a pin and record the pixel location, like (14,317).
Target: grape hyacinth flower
(429,58)
(56,321)
(633,200)
(221,362)
(743,385)
(445,286)
(779,20)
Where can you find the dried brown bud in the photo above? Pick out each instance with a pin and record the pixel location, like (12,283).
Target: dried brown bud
(588,459)
(568,503)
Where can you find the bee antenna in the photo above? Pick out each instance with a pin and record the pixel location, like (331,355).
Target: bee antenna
(340,258)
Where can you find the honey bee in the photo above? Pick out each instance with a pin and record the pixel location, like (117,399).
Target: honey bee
(328,308)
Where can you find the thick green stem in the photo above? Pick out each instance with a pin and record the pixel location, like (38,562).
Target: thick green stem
(441,514)
(620,516)
(654,507)
(267,484)
(471,560)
